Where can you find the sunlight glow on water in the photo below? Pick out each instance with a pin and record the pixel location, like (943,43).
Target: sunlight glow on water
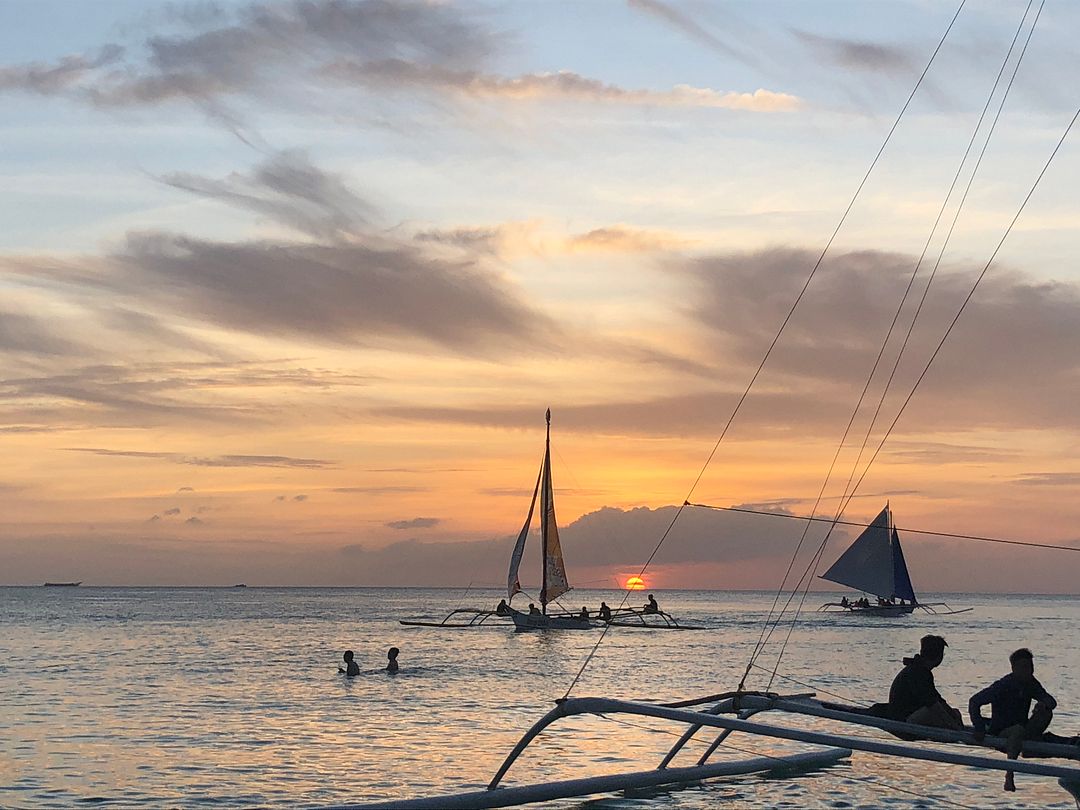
(159,697)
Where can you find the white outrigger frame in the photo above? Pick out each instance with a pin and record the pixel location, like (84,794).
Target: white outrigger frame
(744,705)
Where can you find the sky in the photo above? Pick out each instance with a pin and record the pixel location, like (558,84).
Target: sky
(288,286)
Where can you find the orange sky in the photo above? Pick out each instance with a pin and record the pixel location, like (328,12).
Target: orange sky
(301,326)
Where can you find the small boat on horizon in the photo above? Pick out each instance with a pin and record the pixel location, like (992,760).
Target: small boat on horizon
(62,584)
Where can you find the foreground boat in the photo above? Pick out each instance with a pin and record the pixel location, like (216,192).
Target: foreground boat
(875,564)
(744,705)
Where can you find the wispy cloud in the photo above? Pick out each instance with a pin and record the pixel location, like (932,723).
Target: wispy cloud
(1048,479)
(413,523)
(858,55)
(564,85)
(684,22)
(212,461)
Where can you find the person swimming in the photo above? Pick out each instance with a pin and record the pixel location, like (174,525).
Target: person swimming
(391,659)
(352,668)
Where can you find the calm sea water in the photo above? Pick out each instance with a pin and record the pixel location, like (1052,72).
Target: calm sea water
(135,697)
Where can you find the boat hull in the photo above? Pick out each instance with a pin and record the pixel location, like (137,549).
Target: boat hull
(880,611)
(524,622)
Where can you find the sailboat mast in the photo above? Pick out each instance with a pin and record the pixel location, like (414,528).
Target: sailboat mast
(543,522)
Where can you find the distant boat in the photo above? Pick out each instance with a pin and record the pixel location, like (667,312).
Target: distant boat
(875,564)
(239,585)
(63,584)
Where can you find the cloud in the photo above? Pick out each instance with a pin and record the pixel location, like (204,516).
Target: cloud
(289,189)
(513,239)
(174,511)
(563,85)
(26,334)
(859,55)
(378,490)
(1048,479)
(414,523)
(262,49)
(45,79)
(186,489)
(213,461)
(193,521)
(300,498)
(690,27)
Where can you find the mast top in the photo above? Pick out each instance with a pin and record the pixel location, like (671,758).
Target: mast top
(549,416)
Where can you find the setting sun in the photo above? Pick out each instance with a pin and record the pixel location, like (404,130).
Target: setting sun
(635,584)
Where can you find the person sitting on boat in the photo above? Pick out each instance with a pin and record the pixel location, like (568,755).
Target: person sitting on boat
(502,609)
(913,697)
(584,612)
(1010,703)
(533,610)
(352,668)
(843,601)
(391,660)
(651,606)
(604,612)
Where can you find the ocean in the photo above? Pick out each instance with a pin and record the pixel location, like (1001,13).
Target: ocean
(230,697)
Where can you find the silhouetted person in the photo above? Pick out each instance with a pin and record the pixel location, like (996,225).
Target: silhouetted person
(651,606)
(534,610)
(502,609)
(351,667)
(605,612)
(843,601)
(1010,703)
(391,659)
(584,612)
(913,697)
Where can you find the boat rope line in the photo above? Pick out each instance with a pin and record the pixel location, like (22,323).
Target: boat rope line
(882,785)
(769,625)
(904,529)
(949,329)
(783,326)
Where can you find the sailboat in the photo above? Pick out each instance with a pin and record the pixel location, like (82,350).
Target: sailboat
(875,564)
(554,580)
(555,583)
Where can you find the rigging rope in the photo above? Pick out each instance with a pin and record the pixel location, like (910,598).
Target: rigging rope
(780,331)
(905,529)
(806,579)
(960,311)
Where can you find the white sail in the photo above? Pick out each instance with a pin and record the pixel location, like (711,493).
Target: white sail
(868,564)
(555,582)
(513,583)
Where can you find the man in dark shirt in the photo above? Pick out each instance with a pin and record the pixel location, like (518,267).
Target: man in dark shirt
(913,697)
(1010,702)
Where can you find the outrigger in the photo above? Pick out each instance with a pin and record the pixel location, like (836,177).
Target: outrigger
(743,705)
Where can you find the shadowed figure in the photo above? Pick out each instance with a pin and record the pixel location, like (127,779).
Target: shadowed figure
(1010,703)
(651,606)
(391,660)
(913,696)
(352,668)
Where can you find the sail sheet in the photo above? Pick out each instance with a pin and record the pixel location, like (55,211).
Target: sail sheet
(513,583)
(868,563)
(901,578)
(555,582)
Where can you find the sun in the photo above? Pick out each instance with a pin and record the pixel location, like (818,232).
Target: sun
(635,584)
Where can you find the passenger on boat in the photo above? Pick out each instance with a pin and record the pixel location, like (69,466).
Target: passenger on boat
(534,610)
(843,601)
(352,668)
(502,609)
(1010,703)
(651,606)
(391,660)
(913,697)
(604,612)
(584,612)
